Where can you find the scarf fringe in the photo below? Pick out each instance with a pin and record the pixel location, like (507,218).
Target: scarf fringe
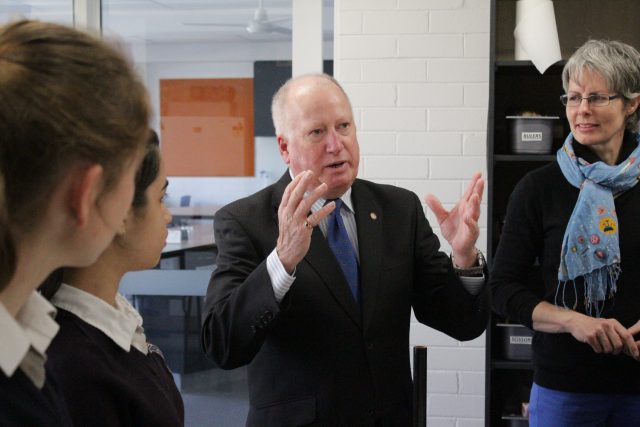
(595,296)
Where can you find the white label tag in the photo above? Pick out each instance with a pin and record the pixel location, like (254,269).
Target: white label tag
(531,136)
(520,340)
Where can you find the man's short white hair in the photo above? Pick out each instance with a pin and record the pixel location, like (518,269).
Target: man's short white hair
(279,101)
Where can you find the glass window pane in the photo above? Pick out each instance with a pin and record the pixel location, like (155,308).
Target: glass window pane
(197,58)
(60,11)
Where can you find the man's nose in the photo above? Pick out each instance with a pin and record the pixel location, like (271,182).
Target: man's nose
(334,144)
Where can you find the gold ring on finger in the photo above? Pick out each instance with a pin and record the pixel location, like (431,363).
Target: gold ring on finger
(307,224)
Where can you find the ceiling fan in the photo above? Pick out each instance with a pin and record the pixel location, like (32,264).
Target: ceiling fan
(259,24)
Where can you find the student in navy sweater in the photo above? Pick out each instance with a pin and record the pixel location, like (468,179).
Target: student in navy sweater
(108,373)
(73,124)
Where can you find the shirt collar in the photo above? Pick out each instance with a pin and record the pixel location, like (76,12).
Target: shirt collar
(122,323)
(346,199)
(33,328)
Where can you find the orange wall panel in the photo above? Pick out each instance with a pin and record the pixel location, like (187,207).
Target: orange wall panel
(207,127)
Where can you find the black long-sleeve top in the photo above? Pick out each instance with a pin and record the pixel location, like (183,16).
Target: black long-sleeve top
(537,215)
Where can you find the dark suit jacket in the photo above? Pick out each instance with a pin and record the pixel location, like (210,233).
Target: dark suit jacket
(316,358)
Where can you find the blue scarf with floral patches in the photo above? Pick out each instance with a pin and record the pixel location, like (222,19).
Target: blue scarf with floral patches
(590,248)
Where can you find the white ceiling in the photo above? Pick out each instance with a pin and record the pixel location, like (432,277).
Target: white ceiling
(169,21)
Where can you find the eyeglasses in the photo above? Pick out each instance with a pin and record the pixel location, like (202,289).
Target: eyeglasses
(595,100)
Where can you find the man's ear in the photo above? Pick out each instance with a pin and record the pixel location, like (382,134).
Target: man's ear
(87,183)
(283,146)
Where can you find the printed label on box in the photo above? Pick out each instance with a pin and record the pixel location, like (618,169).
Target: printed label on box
(531,136)
(520,340)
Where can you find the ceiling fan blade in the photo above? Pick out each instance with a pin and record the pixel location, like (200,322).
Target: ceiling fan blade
(211,24)
(280,30)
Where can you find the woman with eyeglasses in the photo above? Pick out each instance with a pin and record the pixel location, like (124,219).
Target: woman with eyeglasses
(579,218)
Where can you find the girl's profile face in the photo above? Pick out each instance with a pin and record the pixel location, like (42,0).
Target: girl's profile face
(146,228)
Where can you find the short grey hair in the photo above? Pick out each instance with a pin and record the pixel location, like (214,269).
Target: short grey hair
(618,63)
(279,101)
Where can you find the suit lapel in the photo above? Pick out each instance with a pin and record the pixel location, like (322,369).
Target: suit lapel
(370,242)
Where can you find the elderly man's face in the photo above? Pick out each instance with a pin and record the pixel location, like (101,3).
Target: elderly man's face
(320,135)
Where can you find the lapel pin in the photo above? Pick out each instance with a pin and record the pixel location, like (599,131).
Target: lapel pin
(373,216)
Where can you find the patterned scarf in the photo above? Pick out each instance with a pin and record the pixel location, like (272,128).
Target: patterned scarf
(590,247)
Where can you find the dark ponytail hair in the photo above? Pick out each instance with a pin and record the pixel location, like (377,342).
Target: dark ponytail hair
(148,171)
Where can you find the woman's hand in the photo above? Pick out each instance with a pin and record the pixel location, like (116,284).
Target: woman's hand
(602,335)
(635,332)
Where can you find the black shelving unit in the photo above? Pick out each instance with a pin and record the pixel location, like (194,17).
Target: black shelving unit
(516,87)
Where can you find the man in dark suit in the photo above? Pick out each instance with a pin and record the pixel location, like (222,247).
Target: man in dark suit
(326,336)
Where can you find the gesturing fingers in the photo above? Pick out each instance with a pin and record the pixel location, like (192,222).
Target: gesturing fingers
(475,186)
(287,191)
(325,211)
(436,207)
(294,222)
(297,197)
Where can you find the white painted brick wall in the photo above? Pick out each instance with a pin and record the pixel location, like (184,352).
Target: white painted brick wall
(430,143)
(394,70)
(372,95)
(395,22)
(461,119)
(476,45)
(458,70)
(432,45)
(350,22)
(417,72)
(430,4)
(384,119)
(430,95)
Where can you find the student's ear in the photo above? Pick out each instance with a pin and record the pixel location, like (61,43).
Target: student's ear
(86,187)
(122,230)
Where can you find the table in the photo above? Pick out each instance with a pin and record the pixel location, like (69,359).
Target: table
(201,237)
(194,212)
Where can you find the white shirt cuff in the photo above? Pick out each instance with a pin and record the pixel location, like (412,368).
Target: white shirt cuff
(281,281)
(473,285)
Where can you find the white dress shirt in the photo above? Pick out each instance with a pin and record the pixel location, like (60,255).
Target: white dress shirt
(122,323)
(26,337)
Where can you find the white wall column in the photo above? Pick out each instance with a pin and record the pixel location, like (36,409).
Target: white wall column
(306,36)
(87,16)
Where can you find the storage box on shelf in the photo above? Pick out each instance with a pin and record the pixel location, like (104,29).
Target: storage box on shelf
(531,134)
